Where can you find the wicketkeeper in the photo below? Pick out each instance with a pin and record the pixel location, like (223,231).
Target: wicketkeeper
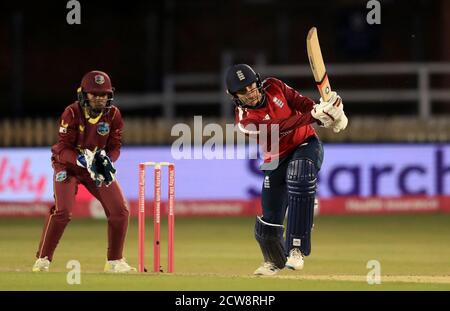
(291,170)
(90,134)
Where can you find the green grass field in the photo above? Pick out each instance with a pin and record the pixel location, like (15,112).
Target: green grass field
(221,254)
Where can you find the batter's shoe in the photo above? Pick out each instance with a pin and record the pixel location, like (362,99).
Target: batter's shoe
(41,265)
(266,268)
(118,266)
(295,260)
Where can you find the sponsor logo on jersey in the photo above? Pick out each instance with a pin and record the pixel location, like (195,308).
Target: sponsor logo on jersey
(282,134)
(240,75)
(278,102)
(267,117)
(103,128)
(61,176)
(99,79)
(62,130)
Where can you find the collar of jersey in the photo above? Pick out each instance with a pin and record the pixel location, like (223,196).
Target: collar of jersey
(259,105)
(92,120)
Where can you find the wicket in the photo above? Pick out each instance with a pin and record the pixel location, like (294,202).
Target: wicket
(156,215)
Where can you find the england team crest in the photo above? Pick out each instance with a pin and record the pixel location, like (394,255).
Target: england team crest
(103,128)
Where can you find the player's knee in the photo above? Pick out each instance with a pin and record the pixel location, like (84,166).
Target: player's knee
(119,212)
(62,215)
(301,177)
(274,216)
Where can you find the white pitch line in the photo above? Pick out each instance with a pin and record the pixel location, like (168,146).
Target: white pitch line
(426,279)
(440,279)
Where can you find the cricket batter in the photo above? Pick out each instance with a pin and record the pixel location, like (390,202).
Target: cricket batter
(292,184)
(90,134)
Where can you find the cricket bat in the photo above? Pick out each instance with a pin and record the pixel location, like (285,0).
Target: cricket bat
(317,64)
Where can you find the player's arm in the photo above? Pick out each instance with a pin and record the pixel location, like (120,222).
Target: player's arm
(295,100)
(114,142)
(247,124)
(104,159)
(329,114)
(65,149)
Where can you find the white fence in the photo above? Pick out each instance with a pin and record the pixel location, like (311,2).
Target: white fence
(210,88)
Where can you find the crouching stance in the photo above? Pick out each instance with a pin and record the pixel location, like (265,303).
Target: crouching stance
(89,141)
(291,168)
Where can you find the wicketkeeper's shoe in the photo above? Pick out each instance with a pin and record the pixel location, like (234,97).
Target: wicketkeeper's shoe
(266,268)
(41,265)
(295,260)
(118,266)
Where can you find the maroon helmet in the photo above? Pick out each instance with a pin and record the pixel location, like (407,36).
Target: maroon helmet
(96,82)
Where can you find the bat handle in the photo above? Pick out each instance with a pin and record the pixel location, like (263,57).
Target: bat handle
(324,88)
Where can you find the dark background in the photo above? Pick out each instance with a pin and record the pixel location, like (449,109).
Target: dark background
(42,58)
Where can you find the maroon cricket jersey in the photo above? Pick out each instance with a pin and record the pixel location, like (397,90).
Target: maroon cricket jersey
(283,106)
(77,131)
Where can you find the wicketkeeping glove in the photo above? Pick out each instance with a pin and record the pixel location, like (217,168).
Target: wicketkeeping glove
(86,160)
(81,160)
(105,167)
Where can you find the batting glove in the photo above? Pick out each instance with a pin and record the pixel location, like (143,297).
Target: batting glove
(340,123)
(331,113)
(336,112)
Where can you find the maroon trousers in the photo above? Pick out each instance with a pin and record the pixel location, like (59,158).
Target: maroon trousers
(113,203)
